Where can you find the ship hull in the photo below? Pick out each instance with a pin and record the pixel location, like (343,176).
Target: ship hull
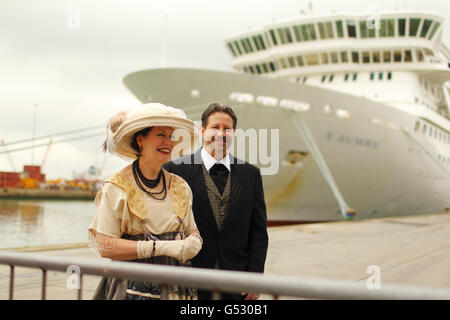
(379,165)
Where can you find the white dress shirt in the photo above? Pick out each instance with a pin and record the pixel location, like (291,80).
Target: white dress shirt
(209,160)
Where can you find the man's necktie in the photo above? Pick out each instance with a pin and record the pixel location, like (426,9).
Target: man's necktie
(219,174)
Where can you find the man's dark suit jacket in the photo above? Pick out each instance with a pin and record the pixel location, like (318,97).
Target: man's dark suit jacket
(242,243)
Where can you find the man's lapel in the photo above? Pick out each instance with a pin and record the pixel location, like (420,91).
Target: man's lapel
(238,185)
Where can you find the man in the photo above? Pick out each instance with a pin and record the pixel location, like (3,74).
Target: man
(228,201)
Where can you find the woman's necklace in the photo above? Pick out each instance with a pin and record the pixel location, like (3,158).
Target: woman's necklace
(139,176)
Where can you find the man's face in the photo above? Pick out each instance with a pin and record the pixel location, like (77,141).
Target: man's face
(218,134)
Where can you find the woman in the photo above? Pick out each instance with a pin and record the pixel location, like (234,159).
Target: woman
(144,212)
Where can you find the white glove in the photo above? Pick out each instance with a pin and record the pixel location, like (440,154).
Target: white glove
(181,250)
(192,246)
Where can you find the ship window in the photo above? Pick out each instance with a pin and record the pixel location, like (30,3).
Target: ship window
(322,30)
(231,49)
(274,38)
(351,28)
(305,32)
(324,77)
(425,27)
(344,56)
(300,61)
(245,70)
(272,66)
(372,75)
(283,63)
(312,32)
(330,30)
(258,69)
(291,62)
(389,75)
(334,57)
(355,57)
(297,33)
(428,52)
(257,43)
(372,32)
(397,56)
(244,46)
(386,56)
(435,27)
(308,32)
(304,79)
(380,75)
(401,27)
(417,127)
(408,56)
(281,36)
(249,46)
(431,131)
(376,56)
(312,59)
(251,69)
(285,35)
(261,41)
(424,129)
(413,26)
(366,57)
(340,29)
(325,30)
(266,70)
(355,76)
(387,28)
(419,54)
(324,57)
(363,29)
(331,78)
(346,77)
(237,46)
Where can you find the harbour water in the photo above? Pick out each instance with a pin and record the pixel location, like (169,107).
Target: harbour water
(31,223)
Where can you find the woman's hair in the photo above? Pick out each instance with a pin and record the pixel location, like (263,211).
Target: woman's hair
(143,133)
(134,143)
(215,107)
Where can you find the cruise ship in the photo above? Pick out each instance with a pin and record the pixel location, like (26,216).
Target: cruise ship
(352,111)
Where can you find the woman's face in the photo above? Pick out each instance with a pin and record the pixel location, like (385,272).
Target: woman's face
(157,145)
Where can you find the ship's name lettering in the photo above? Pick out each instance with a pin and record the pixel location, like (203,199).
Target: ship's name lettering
(352,140)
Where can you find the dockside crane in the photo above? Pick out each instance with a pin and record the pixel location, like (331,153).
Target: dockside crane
(8,155)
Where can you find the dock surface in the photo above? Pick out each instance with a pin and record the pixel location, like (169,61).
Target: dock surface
(413,250)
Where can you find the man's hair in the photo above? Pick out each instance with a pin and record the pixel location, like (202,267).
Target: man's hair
(215,107)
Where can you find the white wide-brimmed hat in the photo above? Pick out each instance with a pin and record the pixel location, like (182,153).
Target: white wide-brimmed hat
(123,126)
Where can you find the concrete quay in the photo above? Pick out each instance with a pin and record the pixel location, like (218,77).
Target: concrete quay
(413,250)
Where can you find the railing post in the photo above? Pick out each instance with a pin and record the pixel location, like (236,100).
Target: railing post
(216,295)
(11,282)
(80,289)
(44,284)
(164,292)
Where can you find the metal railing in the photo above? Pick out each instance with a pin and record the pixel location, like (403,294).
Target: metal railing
(215,280)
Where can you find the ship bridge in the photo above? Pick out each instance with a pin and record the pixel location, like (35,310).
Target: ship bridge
(330,43)
(371,52)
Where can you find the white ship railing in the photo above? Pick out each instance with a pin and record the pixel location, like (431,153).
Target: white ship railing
(216,280)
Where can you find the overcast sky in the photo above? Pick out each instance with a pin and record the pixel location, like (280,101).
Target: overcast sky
(74,75)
